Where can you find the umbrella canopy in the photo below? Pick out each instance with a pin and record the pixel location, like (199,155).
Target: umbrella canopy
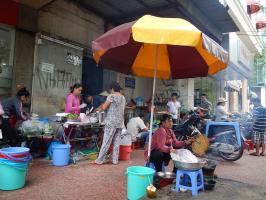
(160,48)
(183,51)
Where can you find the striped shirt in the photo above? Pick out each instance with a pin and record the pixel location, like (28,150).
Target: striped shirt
(259,118)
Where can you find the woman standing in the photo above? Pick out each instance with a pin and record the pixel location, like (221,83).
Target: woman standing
(73,100)
(114,123)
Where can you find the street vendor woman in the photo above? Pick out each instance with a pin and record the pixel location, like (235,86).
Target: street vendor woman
(13,107)
(114,123)
(73,100)
(13,112)
(163,143)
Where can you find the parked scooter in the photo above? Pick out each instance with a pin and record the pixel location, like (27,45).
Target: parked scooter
(223,140)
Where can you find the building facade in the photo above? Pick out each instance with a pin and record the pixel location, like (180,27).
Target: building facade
(47,47)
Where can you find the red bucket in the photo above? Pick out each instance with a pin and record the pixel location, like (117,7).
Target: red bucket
(15,155)
(124,152)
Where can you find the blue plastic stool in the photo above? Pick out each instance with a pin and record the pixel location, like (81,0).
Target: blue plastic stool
(151,165)
(195,184)
(233,124)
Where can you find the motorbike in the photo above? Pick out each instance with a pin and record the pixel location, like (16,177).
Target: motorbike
(245,124)
(223,139)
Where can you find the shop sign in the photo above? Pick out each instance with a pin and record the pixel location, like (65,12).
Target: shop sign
(73,59)
(130,82)
(46,67)
(244,56)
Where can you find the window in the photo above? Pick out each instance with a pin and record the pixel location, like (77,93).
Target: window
(6,61)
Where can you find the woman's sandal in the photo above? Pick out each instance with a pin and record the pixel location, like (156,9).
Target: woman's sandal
(95,163)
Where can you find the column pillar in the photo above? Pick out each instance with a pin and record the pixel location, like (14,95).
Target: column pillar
(245,103)
(233,96)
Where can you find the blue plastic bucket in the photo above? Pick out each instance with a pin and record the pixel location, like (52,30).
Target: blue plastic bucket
(60,154)
(138,178)
(13,174)
(15,150)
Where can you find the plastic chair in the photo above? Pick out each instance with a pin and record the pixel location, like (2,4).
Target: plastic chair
(196,184)
(234,124)
(151,165)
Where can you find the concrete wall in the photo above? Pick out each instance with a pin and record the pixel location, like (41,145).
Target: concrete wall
(67,20)
(72,24)
(240,54)
(23,62)
(185,88)
(24,48)
(143,87)
(54,73)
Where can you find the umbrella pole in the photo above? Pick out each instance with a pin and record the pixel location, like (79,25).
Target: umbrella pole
(152,101)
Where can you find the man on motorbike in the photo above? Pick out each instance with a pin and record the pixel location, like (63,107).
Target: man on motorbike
(220,113)
(205,106)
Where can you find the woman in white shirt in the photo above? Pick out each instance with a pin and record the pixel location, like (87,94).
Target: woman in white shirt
(221,114)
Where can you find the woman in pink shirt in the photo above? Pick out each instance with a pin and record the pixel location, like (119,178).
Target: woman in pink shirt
(72,100)
(164,142)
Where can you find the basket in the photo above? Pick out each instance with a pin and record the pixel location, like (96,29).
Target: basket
(200,145)
(92,156)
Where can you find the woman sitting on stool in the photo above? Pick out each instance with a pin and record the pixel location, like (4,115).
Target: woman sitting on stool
(163,143)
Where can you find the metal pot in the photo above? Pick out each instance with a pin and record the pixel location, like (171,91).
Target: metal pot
(190,166)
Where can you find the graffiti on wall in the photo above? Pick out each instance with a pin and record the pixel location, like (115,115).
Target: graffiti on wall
(60,79)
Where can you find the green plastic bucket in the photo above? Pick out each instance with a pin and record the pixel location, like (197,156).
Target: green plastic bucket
(138,178)
(11,177)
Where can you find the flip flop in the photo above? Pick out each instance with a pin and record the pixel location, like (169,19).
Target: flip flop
(94,163)
(254,154)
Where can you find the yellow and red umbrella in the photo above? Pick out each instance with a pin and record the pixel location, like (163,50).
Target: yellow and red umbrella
(165,48)
(183,50)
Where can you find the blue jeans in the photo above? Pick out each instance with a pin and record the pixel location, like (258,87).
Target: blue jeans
(144,136)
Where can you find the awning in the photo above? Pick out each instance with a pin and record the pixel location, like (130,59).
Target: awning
(233,72)
(233,85)
(253,6)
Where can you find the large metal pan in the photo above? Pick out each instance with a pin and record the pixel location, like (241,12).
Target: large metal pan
(190,166)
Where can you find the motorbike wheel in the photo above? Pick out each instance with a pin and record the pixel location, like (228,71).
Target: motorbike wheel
(233,156)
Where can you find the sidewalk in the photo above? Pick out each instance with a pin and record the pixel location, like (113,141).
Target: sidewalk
(85,181)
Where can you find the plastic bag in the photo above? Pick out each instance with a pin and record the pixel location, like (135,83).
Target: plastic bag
(184,155)
(32,126)
(125,138)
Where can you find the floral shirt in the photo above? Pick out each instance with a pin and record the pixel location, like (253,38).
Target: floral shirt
(115,112)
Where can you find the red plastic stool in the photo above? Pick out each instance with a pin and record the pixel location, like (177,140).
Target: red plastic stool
(136,145)
(249,144)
